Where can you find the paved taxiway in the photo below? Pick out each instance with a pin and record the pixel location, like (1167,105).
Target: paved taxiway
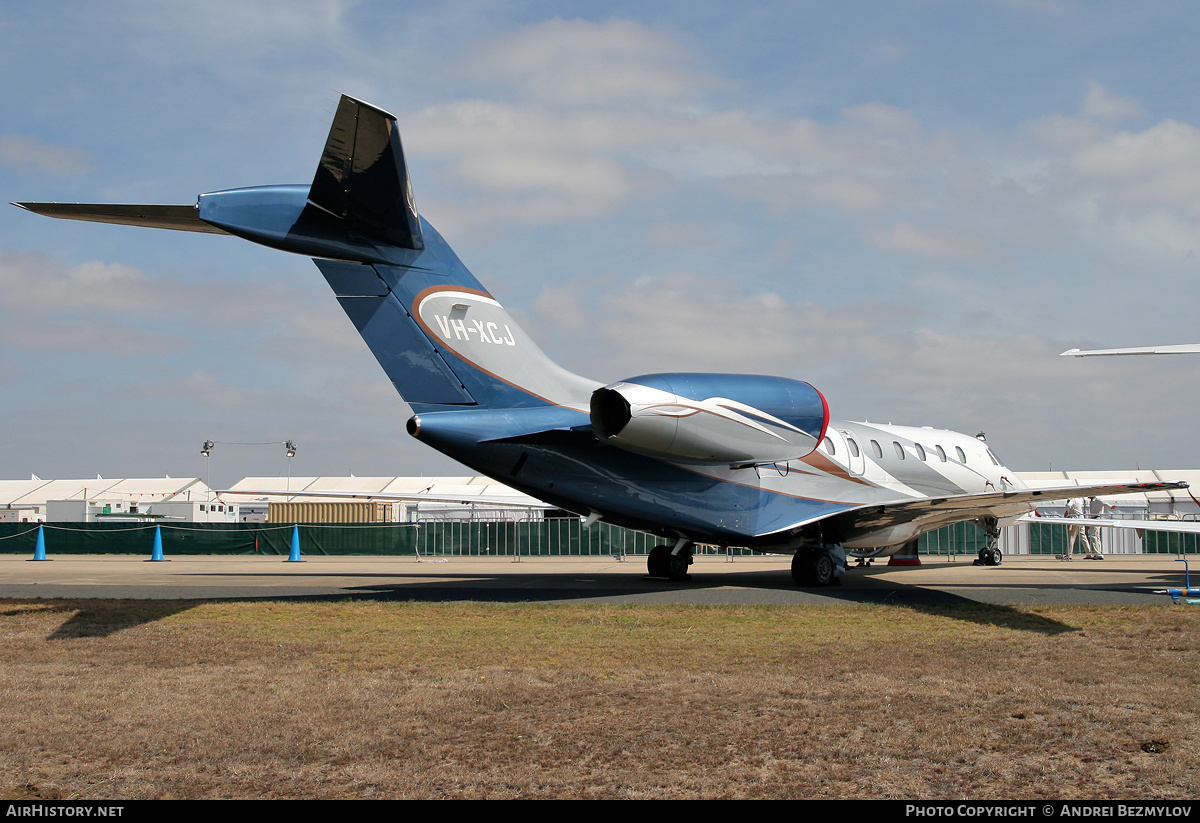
(1119,579)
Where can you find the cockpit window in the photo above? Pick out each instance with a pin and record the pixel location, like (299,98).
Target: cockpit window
(994,460)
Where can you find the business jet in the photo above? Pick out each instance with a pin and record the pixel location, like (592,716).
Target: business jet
(725,459)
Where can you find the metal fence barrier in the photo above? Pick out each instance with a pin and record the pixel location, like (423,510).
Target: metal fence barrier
(547,538)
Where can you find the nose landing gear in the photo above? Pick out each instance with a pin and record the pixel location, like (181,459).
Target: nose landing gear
(990,554)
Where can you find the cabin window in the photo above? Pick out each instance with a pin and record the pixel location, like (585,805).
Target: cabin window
(962,458)
(920,450)
(899,449)
(875,447)
(941,453)
(829,447)
(853,446)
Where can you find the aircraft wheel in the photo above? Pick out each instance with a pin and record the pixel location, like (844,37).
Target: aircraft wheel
(813,569)
(679,564)
(801,569)
(658,562)
(662,562)
(995,558)
(823,569)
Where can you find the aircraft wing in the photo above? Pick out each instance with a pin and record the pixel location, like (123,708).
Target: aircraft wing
(1187,348)
(924,514)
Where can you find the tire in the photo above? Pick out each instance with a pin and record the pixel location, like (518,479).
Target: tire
(813,569)
(677,565)
(801,569)
(823,569)
(658,562)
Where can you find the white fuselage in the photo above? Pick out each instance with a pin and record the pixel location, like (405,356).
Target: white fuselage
(860,464)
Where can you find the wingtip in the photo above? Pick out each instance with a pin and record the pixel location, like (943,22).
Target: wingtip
(1070,353)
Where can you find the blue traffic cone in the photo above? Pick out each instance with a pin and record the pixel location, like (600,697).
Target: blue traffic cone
(294,557)
(156,554)
(39,551)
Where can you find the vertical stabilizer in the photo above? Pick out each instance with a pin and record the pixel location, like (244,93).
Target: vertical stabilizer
(363,179)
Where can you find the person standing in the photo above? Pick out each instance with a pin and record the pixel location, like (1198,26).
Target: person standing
(1091,541)
(1074,533)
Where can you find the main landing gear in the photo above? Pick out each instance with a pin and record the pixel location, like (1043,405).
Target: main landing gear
(669,561)
(990,554)
(819,567)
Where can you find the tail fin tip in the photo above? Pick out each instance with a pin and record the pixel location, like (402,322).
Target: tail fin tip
(362,177)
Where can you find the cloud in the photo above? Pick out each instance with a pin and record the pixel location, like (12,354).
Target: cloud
(537,166)
(672,234)
(205,388)
(1155,167)
(92,308)
(560,307)
(41,283)
(580,63)
(98,341)
(693,322)
(930,242)
(1102,104)
(556,155)
(29,154)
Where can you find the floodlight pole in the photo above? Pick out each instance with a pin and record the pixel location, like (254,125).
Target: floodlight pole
(206,450)
(291,452)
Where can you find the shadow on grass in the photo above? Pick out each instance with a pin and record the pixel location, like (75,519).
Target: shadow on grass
(924,600)
(96,618)
(759,587)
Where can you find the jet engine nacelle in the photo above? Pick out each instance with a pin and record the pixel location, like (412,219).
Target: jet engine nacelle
(711,418)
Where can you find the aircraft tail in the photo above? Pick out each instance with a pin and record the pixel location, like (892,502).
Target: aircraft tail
(440,337)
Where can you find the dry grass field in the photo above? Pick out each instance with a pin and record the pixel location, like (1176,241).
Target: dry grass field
(150,699)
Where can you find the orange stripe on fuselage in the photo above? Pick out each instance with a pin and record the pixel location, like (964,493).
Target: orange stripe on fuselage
(822,463)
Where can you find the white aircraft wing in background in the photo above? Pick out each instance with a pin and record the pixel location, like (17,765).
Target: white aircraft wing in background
(1186,348)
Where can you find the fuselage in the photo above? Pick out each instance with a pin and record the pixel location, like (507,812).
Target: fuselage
(553,455)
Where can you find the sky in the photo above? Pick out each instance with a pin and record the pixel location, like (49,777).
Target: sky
(914,206)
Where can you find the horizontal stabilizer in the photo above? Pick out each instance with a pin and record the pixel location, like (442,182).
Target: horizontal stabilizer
(179,218)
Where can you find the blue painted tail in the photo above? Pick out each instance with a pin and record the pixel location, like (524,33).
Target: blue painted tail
(441,338)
